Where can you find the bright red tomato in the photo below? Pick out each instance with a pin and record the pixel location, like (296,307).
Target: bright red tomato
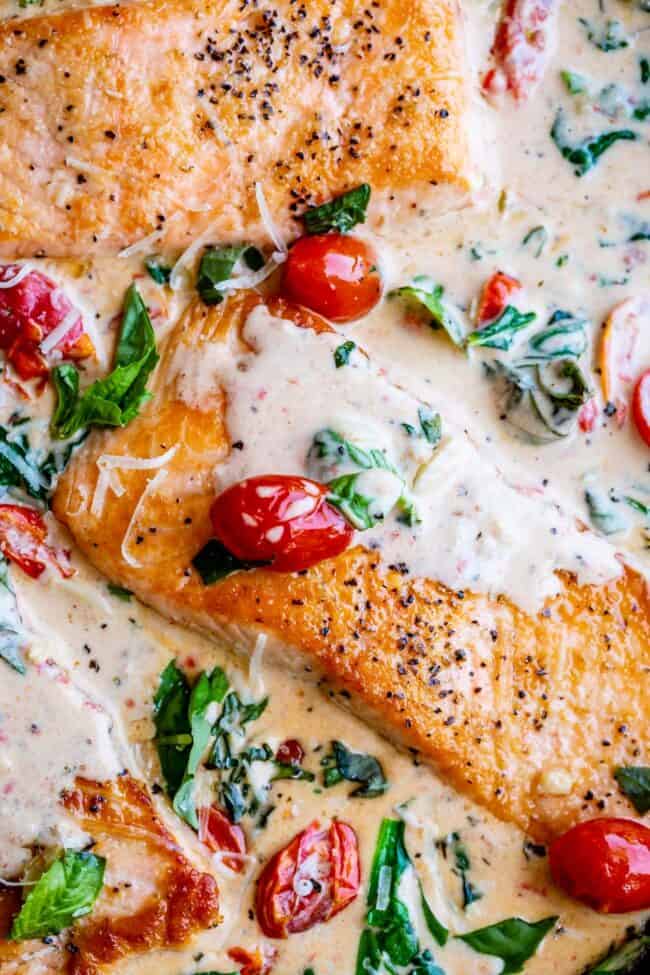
(220,835)
(29,311)
(280,519)
(256,962)
(22,540)
(309,881)
(494,298)
(333,274)
(641,406)
(521,47)
(604,863)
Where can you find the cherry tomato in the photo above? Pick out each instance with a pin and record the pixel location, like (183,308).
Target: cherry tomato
(605,863)
(29,311)
(521,47)
(641,406)
(22,540)
(290,752)
(219,834)
(494,297)
(256,962)
(280,519)
(309,881)
(333,274)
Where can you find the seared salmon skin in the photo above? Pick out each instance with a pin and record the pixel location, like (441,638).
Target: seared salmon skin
(527,714)
(120,121)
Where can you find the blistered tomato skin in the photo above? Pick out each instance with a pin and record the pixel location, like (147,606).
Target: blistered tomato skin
(310,880)
(335,275)
(220,835)
(641,406)
(23,540)
(604,863)
(280,519)
(495,295)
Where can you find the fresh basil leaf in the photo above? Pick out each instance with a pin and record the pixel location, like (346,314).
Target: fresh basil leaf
(342,213)
(634,782)
(214,562)
(157,270)
(216,266)
(584,155)
(369,960)
(607,37)
(390,852)
(500,333)
(576,84)
(426,293)
(564,337)
(283,770)
(353,505)
(625,959)
(399,939)
(118,398)
(65,892)
(119,592)
(342,353)
(604,513)
(513,940)
(358,767)
(430,424)
(173,736)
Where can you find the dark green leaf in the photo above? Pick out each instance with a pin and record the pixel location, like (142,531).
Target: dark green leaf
(398,938)
(172,722)
(625,959)
(436,928)
(431,425)
(66,891)
(563,337)
(118,398)
(634,782)
(358,767)
(283,770)
(119,592)
(342,353)
(217,264)
(584,155)
(644,70)
(342,213)
(424,964)
(390,852)
(427,294)
(606,37)
(368,954)
(500,333)
(351,503)
(158,271)
(233,800)
(214,562)
(461,868)
(513,940)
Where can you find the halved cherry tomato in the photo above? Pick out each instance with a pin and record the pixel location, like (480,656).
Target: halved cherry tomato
(22,540)
(290,752)
(257,962)
(29,311)
(309,881)
(219,834)
(618,347)
(494,296)
(605,863)
(333,274)
(641,406)
(280,519)
(521,47)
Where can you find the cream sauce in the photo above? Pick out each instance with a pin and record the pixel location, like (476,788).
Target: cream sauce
(94,661)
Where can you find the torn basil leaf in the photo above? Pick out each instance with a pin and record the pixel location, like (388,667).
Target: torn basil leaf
(634,782)
(65,892)
(217,265)
(214,562)
(342,354)
(118,398)
(514,941)
(624,960)
(157,270)
(284,770)
(564,337)
(341,214)
(584,155)
(428,295)
(343,764)
(173,739)
(605,514)
(500,333)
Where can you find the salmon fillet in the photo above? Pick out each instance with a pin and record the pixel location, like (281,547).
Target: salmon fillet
(152,896)
(117,121)
(494,698)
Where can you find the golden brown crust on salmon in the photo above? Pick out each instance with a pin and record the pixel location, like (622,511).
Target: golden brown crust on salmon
(511,708)
(152,896)
(119,120)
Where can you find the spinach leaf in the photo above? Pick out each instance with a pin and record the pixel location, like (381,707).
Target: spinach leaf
(173,737)
(235,791)
(118,398)
(284,770)
(634,782)
(607,37)
(119,592)
(584,155)
(214,562)
(576,84)
(564,337)
(66,891)
(342,764)
(354,506)
(12,636)
(216,266)
(625,959)
(424,964)
(430,424)
(604,513)
(342,213)
(462,867)
(426,293)
(342,353)
(156,268)
(513,940)
(500,333)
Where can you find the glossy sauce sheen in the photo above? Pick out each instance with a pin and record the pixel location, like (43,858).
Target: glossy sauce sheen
(111,652)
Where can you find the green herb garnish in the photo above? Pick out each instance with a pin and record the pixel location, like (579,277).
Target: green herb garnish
(604,513)
(342,764)
(514,941)
(216,266)
(342,213)
(608,37)
(634,782)
(576,84)
(157,270)
(500,333)
(584,155)
(119,592)
(429,296)
(342,353)
(625,959)
(214,562)
(65,892)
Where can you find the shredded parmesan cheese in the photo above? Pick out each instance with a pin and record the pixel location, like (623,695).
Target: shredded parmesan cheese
(153,483)
(144,244)
(267,220)
(177,278)
(59,333)
(255,671)
(109,463)
(12,282)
